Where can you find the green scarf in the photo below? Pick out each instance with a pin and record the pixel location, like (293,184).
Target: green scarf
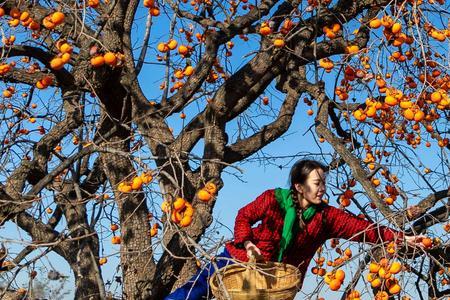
(284,199)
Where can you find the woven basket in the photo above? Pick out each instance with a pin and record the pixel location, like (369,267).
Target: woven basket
(256,281)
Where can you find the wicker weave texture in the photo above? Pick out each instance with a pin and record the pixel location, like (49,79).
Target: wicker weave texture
(261,281)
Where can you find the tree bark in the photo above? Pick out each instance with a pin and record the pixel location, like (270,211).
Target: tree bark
(136,252)
(86,270)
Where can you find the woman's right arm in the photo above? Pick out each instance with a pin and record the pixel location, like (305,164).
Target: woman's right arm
(347,226)
(341,224)
(249,215)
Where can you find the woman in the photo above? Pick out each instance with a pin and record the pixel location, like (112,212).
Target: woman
(294,224)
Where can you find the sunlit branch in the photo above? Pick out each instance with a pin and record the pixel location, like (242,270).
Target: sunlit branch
(268,133)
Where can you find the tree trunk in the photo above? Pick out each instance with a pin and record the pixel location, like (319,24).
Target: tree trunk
(88,278)
(136,253)
(188,270)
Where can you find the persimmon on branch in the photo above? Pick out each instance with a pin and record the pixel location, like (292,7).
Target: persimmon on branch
(322,130)
(176,102)
(315,51)
(30,51)
(25,77)
(437,254)
(73,24)
(30,77)
(194,135)
(317,92)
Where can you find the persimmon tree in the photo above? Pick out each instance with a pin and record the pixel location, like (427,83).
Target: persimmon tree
(120,117)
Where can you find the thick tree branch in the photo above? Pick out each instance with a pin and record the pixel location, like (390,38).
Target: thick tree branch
(428,202)
(148,27)
(256,76)
(63,77)
(255,14)
(254,82)
(85,247)
(246,147)
(241,89)
(343,12)
(25,77)
(337,124)
(35,170)
(317,91)
(39,232)
(337,46)
(426,220)
(13,207)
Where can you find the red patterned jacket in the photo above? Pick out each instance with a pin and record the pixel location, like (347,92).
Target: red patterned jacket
(329,222)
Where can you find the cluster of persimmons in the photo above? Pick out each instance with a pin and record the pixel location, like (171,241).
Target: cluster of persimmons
(135,184)
(380,274)
(181,211)
(334,278)
(63,47)
(391,192)
(393,113)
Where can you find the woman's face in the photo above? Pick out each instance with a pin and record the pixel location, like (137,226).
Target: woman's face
(313,189)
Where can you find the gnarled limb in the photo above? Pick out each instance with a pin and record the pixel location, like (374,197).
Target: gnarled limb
(268,133)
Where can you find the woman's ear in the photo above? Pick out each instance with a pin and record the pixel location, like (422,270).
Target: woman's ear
(298,188)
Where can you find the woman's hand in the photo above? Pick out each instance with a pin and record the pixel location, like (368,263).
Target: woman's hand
(252,250)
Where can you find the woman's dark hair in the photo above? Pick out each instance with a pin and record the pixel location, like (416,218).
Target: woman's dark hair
(299,173)
(301,169)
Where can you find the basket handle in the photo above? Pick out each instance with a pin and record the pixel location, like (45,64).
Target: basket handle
(249,275)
